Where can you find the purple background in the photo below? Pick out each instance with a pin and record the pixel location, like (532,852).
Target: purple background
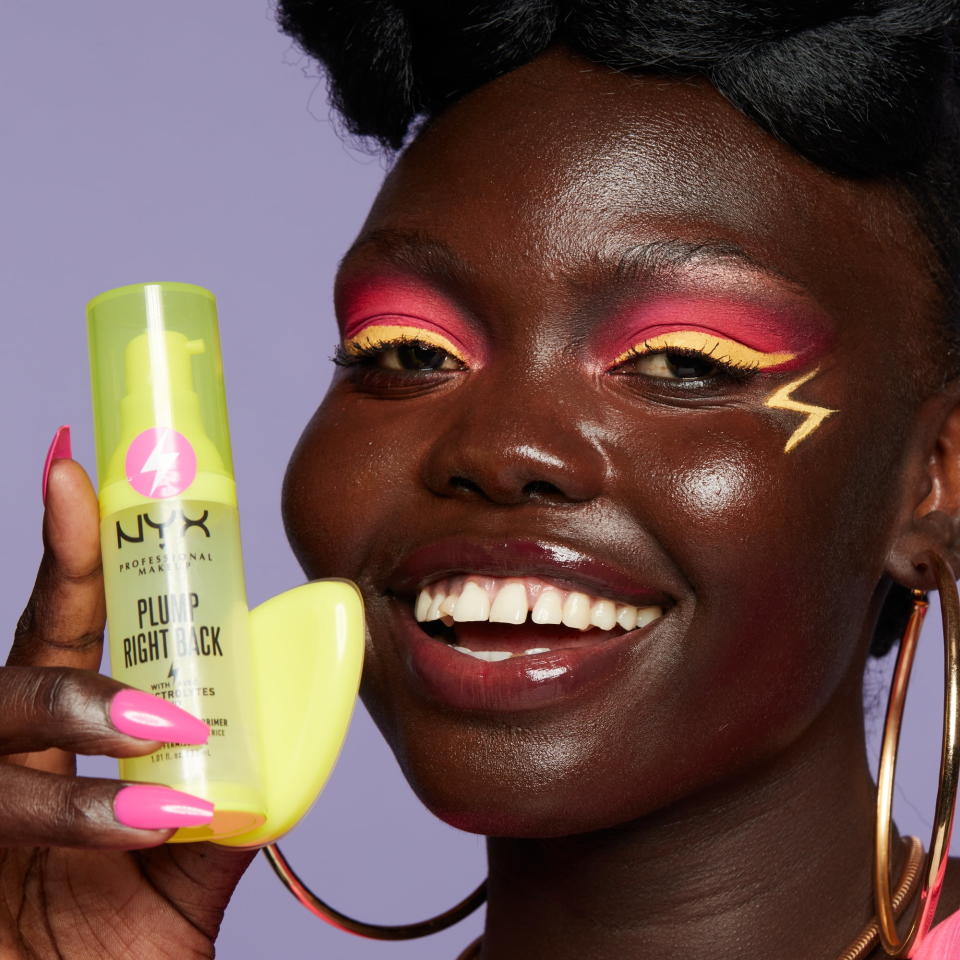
(189,141)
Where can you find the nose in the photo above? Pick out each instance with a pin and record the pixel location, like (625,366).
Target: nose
(511,449)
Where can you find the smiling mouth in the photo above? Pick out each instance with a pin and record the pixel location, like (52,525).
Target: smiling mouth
(502,618)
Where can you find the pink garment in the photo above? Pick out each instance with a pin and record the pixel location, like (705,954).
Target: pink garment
(943,942)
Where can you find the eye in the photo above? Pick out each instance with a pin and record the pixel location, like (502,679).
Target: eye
(414,355)
(400,350)
(694,355)
(673,365)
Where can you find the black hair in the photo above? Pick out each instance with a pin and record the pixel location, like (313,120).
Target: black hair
(862,88)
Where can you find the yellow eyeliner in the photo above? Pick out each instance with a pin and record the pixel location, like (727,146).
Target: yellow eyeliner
(383,335)
(780,399)
(710,345)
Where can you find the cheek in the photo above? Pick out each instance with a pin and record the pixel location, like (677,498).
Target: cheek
(762,535)
(736,520)
(711,490)
(341,487)
(782,553)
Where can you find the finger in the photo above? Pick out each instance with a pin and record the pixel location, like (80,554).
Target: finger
(64,618)
(45,809)
(63,622)
(85,712)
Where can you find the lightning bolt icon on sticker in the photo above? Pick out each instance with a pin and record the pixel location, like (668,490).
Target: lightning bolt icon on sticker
(160,463)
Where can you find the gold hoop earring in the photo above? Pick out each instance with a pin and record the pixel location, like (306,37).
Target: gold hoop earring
(373,931)
(939,849)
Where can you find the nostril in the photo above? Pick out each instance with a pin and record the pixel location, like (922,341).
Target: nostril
(534,490)
(465,485)
(542,490)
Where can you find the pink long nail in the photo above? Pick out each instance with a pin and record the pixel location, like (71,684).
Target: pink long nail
(143,715)
(60,449)
(158,808)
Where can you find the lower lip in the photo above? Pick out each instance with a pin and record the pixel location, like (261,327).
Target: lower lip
(521,683)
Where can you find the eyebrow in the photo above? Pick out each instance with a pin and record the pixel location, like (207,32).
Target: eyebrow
(417,252)
(659,256)
(413,251)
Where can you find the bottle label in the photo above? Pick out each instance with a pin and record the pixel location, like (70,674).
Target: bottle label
(178,624)
(160,463)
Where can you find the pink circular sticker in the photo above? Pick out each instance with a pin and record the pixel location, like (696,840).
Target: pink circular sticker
(160,463)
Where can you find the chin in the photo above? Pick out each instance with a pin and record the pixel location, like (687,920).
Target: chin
(532,777)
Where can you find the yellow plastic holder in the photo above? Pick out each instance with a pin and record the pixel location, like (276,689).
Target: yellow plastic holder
(308,654)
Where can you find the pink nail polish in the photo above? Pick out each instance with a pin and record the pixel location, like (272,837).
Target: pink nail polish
(147,807)
(143,715)
(60,449)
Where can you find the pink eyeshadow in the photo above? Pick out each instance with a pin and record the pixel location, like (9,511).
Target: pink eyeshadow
(397,304)
(766,330)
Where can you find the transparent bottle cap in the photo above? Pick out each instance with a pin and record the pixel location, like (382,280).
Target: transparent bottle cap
(159,407)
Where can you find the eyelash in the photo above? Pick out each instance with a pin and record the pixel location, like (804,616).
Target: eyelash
(728,367)
(365,356)
(357,357)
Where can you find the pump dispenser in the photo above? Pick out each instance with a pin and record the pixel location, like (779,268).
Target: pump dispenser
(170,537)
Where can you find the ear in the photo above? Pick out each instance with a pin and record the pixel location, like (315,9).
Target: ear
(931,509)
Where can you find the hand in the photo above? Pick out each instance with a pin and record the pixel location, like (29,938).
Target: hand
(75,882)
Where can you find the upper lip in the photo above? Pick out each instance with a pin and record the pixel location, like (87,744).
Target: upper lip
(562,563)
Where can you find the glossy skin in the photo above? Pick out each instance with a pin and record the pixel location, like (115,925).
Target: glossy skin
(724,739)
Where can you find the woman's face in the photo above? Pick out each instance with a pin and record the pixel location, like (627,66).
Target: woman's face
(610,341)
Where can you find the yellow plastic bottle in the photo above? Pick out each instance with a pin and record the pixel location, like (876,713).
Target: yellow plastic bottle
(176,602)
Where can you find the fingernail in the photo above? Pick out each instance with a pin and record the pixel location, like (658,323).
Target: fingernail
(158,808)
(139,714)
(60,449)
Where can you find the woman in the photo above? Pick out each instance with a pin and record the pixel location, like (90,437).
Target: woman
(646,422)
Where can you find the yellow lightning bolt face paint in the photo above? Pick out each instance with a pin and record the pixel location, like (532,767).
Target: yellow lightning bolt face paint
(780,399)
(379,335)
(712,346)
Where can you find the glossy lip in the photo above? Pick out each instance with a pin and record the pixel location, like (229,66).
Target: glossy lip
(565,565)
(465,683)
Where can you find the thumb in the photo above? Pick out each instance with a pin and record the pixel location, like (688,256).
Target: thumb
(62,625)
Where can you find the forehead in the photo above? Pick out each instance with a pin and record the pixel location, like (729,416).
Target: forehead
(561,164)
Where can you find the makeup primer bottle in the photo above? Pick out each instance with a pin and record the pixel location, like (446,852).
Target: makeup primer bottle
(170,537)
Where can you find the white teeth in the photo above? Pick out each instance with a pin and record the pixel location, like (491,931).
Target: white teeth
(423,605)
(603,614)
(494,656)
(482,599)
(576,611)
(449,605)
(433,613)
(473,604)
(627,617)
(647,615)
(510,604)
(548,608)
(491,655)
